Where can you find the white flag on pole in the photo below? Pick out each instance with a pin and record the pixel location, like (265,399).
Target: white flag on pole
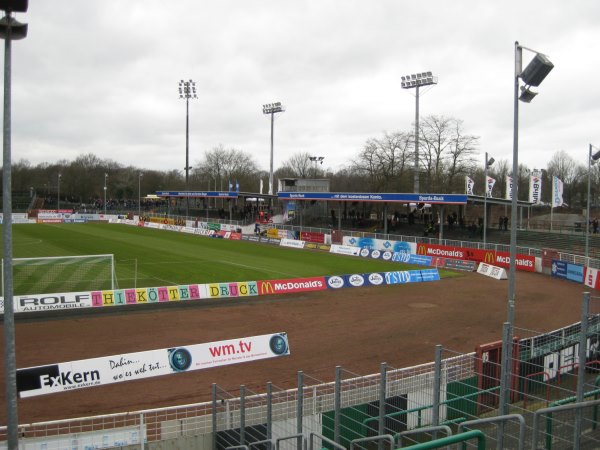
(469,184)
(557,192)
(490,185)
(508,194)
(535,188)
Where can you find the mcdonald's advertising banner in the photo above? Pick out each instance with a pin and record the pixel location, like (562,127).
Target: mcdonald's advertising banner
(500,259)
(266,287)
(60,377)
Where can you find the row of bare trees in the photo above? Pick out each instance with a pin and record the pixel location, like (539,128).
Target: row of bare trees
(383,164)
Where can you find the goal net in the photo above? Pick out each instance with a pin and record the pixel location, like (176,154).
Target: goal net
(62,274)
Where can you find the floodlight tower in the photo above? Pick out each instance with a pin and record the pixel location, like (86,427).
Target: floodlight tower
(416,81)
(10,30)
(272,109)
(140,175)
(187,90)
(105,188)
(316,159)
(58,192)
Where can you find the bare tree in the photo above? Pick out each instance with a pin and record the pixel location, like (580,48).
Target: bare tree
(299,165)
(221,166)
(446,151)
(384,161)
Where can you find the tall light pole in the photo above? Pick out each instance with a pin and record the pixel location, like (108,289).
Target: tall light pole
(591,160)
(10,30)
(272,109)
(488,163)
(58,192)
(316,159)
(533,75)
(187,90)
(140,195)
(416,81)
(105,177)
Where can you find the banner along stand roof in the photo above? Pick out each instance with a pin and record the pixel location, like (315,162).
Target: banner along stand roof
(446,199)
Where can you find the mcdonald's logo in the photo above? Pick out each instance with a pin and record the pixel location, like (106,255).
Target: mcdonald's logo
(489,257)
(421,249)
(266,287)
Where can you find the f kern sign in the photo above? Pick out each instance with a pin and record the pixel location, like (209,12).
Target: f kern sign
(60,377)
(500,259)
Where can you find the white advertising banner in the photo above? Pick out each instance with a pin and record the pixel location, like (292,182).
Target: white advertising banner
(508,194)
(469,185)
(490,186)
(48,302)
(344,250)
(60,377)
(591,277)
(496,272)
(535,188)
(557,192)
(291,243)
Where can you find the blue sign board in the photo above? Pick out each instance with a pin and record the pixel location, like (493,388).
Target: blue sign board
(575,272)
(192,194)
(567,271)
(459,199)
(559,269)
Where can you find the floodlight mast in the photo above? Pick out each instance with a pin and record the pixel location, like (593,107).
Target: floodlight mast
(272,109)
(592,158)
(10,30)
(417,80)
(533,75)
(187,90)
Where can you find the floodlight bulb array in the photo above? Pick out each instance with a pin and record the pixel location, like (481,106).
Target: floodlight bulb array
(271,108)
(418,79)
(187,89)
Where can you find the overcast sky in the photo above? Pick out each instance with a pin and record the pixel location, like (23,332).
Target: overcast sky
(101,77)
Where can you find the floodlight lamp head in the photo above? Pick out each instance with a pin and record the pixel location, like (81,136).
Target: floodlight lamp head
(535,72)
(527,94)
(595,157)
(14,5)
(16,29)
(490,161)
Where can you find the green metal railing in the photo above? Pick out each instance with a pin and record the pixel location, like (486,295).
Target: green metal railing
(420,409)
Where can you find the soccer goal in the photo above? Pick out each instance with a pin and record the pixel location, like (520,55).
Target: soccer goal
(62,274)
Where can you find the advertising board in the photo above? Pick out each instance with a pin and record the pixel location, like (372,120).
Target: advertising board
(66,376)
(567,271)
(291,243)
(501,259)
(344,250)
(310,236)
(591,278)
(266,287)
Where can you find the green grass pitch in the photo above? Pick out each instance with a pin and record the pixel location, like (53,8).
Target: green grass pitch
(146,257)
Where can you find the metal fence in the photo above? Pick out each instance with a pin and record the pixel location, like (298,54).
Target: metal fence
(552,400)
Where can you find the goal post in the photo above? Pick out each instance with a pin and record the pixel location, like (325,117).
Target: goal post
(62,274)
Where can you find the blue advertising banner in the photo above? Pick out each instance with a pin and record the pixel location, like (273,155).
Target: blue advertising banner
(202,194)
(567,271)
(455,199)
(420,260)
(575,272)
(417,276)
(377,279)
